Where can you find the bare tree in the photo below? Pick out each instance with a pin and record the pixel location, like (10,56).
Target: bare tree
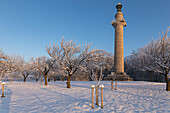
(44,65)
(56,70)
(35,70)
(100,59)
(97,83)
(2,57)
(155,56)
(12,64)
(3,61)
(26,69)
(69,56)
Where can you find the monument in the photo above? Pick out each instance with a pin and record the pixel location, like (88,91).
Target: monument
(118,24)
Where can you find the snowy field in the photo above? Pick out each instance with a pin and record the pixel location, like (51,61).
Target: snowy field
(133,97)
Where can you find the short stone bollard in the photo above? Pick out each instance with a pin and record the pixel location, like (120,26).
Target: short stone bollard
(101,86)
(92,87)
(115,84)
(112,85)
(3,83)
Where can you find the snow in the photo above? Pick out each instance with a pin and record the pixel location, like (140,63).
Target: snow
(32,97)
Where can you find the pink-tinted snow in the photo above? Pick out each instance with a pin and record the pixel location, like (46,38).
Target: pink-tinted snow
(32,97)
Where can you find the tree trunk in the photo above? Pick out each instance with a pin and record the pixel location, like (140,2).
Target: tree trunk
(36,79)
(62,78)
(168,86)
(48,79)
(97,75)
(24,79)
(167,82)
(68,82)
(55,79)
(45,80)
(115,84)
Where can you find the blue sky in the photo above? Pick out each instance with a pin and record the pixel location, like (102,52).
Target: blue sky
(27,26)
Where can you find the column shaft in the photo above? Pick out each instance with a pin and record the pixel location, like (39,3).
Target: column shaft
(118,55)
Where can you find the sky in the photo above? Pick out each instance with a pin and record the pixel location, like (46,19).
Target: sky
(27,26)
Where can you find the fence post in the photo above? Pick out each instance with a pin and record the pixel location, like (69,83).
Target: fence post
(115,84)
(92,87)
(3,83)
(112,85)
(97,99)
(101,86)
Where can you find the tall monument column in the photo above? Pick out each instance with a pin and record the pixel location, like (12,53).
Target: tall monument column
(118,24)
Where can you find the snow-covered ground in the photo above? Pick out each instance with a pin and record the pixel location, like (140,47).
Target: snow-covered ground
(32,97)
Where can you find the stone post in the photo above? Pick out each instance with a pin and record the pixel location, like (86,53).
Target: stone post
(92,87)
(112,85)
(101,86)
(3,83)
(115,84)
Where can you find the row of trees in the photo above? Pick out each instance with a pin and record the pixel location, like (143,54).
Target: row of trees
(154,57)
(72,57)
(66,59)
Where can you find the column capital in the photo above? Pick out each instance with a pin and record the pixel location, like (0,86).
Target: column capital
(121,23)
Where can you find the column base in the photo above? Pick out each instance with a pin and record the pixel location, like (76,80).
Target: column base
(122,76)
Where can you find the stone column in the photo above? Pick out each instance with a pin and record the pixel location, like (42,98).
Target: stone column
(118,24)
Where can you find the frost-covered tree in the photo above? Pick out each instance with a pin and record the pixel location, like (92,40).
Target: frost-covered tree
(3,61)
(155,56)
(97,81)
(13,63)
(131,66)
(97,62)
(56,70)
(2,57)
(35,70)
(37,74)
(100,59)
(26,69)
(50,75)
(69,56)
(44,65)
